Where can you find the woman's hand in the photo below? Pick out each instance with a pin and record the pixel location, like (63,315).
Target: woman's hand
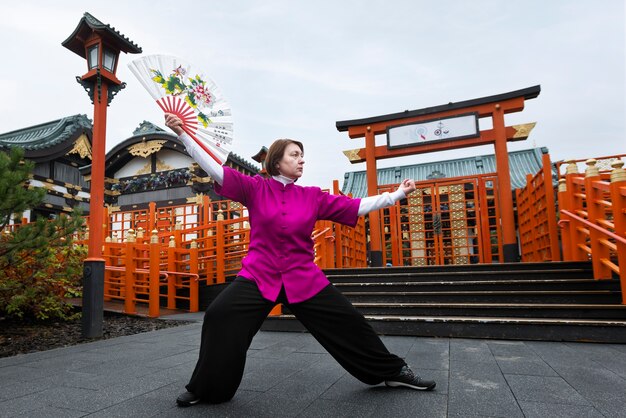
(407,186)
(174,123)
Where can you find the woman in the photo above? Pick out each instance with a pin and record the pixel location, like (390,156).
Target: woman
(279,268)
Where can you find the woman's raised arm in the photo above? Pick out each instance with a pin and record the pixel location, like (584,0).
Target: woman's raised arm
(204,160)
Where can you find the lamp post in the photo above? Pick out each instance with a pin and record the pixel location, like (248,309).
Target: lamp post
(100,45)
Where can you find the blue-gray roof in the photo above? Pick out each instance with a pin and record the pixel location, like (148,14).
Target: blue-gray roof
(46,135)
(147,128)
(521,163)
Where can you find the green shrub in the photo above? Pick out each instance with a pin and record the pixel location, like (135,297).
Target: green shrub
(39,265)
(39,286)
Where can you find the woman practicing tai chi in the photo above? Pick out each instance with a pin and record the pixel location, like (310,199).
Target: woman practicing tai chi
(279,268)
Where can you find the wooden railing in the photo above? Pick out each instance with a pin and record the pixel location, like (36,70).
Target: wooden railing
(593,219)
(137,271)
(196,245)
(536,215)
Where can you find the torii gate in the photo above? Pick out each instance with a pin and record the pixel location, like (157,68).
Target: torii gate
(439,128)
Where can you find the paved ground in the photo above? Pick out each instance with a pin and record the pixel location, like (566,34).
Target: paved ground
(291,375)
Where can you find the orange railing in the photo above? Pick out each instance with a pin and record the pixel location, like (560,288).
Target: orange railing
(197,244)
(141,272)
(593,219)
(536,214)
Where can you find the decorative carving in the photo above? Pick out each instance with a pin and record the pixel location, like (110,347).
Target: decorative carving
(144,149)
(113,90)
(197,199)
(571,168)
(88,86)
(591,170)
(153,181)
(618,173)
(82,147)
(91,85)
(523,130)
(161,166)
(353,154)
(201,179)
(147,169)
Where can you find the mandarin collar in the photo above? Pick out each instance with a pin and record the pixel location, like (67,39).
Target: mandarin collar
(284,181)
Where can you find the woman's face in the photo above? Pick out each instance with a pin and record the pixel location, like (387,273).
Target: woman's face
(292,163)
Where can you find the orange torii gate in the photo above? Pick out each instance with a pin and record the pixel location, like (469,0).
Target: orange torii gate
(439,128)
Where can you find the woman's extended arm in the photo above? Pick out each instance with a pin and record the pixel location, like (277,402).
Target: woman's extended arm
(203,159)
(386,199)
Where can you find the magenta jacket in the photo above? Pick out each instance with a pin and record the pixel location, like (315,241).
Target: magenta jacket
(282,218)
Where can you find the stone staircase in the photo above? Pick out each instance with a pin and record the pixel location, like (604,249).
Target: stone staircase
(529,301)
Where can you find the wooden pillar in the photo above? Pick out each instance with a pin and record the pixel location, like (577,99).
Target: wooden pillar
(509,240)
(595,215)
(154,288)
(338,231)
(220,253)
(618,200)
(564,204)
(376,254)
(194,288)
(152,222)
(129,274)
(206,213)
(575,205)
(555,253)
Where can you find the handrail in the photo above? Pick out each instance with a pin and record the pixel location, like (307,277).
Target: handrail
(319,234)
(590,224)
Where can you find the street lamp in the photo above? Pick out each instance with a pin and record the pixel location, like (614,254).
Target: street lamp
(100,45)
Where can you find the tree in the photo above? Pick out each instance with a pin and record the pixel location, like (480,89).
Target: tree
(39,262)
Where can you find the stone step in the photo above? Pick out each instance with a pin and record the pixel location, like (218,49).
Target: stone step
(417,275)
(381,285)
(541,329)
(496,296)
(517,310)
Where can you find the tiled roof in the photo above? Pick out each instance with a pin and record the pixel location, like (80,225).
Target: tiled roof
(46,135)
(147,128)
(521,163)
(88,24)
(243,162)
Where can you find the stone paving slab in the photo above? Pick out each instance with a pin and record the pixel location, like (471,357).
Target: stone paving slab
(291,375)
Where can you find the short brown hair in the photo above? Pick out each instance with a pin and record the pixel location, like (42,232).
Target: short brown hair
(276,153)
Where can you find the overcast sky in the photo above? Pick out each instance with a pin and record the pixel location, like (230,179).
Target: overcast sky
(294,68)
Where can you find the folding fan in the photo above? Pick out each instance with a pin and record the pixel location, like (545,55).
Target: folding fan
(180,89)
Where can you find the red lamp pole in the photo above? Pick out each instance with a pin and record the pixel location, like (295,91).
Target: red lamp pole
(100,44)
(96,199)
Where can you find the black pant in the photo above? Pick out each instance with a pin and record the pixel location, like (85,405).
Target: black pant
(236,315)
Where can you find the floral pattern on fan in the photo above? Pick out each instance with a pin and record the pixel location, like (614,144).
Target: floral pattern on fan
(196,93)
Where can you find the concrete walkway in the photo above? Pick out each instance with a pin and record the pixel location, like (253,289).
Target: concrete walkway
(291,375)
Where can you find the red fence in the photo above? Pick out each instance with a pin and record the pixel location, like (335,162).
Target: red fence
(197,244)
(536,215)
(593,219)
(592,213)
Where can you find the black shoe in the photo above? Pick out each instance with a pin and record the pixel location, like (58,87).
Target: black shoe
(187,399)
(408,379)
